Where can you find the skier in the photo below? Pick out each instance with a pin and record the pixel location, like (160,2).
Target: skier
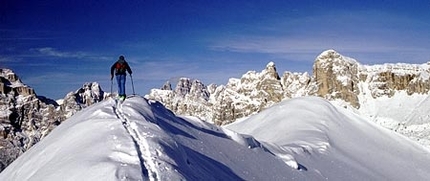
(120,67)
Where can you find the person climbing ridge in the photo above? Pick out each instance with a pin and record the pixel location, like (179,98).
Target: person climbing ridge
(120,67)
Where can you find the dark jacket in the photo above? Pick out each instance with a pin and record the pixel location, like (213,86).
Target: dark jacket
(113,68)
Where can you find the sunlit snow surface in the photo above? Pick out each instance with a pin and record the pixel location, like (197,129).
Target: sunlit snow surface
(303,139)
(334,142)
(151,144)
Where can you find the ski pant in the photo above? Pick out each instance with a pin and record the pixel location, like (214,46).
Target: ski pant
(120,79)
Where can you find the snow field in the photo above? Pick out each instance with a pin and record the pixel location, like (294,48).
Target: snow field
(153,144)
(336,143)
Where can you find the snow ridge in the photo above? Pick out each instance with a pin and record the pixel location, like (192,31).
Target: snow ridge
(148,168)
(151,144)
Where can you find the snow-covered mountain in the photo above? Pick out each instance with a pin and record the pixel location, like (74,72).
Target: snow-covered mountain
(335,77)
(26,118)
(340,77)
(299,139)
(389,94)
(392,95)
(239,98)
(88,94)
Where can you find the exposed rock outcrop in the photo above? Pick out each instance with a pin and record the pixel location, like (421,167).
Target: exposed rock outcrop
(10,83)
(335,77)
(85,96)
(239,98)
(26,118)
(388,78)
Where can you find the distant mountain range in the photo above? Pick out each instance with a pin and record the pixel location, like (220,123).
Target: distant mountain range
(395,96)
(392,95)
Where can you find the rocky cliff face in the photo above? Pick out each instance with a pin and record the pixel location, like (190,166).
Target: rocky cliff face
(190,97)
(239,98)
(85,96)
(26,118)
(388,78)
(340,77)
(253,92)
(335,77)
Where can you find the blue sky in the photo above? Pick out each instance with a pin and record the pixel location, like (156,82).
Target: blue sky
(56,46)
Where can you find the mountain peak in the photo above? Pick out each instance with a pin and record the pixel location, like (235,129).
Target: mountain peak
(10,82)
(270,64)
(330,53)
(271,70)
(332,56)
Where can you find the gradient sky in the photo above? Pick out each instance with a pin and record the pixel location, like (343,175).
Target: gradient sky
(56,46)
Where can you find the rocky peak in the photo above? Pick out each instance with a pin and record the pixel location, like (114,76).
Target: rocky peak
(10,75)
(90,93)
(167,86)
(11,84)
(336,77)
(328,55)
(333,56)
(24,117)
(191,88)
(297,84)
(83,97)
(253,92)
(183,87)
(270,71)
(190,97)
(199,90)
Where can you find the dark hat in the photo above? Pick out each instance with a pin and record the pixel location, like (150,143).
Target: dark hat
(121,57)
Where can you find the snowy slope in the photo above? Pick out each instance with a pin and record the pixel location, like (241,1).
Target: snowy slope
(406,114)
(300,139)
(151,144)
(334,142)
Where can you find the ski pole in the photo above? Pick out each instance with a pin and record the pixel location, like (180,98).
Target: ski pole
(111,85)
(132,83)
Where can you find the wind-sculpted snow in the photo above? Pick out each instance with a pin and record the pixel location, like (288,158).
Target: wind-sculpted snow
(336,143)
(141,140)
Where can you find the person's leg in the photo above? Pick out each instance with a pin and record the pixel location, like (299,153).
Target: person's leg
(120,84)
(124,78)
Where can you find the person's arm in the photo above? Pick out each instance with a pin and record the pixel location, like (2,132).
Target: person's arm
(112,69)
(128,68)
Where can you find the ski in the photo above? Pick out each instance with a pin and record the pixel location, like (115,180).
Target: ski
(132,95)
(119,100)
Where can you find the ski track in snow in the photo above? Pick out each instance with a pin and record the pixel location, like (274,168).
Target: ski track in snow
(149,168)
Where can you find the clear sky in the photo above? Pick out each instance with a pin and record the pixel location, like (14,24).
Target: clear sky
(56,46)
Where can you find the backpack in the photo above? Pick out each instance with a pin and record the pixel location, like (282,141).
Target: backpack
(120,67)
